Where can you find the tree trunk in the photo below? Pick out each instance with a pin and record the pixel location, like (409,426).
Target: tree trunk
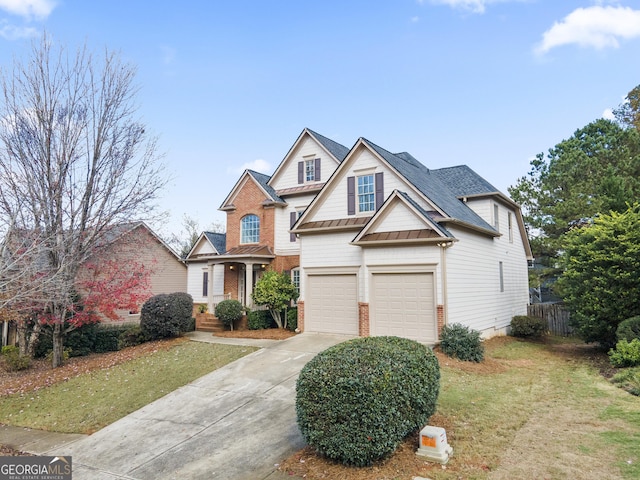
(33,339)
(58,335)
(22,336)
(277,316)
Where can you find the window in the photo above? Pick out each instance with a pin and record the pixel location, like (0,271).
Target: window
(366,194)
(293,217)
(295,278)
(510,222)
(205,284)
(309,170)
(496,217)
(501,277)
(250,229)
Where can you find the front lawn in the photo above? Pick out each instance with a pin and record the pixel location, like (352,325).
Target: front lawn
(530,410)
(109,388)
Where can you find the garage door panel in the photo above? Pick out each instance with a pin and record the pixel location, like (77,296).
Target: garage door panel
(403,305)
(332,304)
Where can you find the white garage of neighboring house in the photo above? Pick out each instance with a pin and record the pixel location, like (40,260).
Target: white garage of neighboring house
(390,247)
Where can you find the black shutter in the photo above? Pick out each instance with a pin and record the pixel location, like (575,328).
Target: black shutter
(293,216)
(300,172)
(317,170)
(379,190)
(351,195)
(205,284)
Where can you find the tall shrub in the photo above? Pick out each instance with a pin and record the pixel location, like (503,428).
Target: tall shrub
(229,312)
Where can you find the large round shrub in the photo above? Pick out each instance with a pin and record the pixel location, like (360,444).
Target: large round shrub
(229,312)
(629,329)
(356,401)
(459,341)
(158,318)
(182,305)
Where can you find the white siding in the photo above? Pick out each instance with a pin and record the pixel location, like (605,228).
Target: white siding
(398,219)
(473,281)
(334,200)
(308,148)
(204,247)
(194,280)
(283,244)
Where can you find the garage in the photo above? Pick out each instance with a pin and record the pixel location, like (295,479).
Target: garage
(332,304)
(403,305)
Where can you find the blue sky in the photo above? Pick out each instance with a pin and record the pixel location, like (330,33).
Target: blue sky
(229,85)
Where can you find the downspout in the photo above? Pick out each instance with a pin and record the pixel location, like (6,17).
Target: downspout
(443,263)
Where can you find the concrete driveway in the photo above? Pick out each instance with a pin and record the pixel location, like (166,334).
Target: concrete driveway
(235,423)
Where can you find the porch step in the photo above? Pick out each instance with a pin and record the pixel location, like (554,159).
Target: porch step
(208,323)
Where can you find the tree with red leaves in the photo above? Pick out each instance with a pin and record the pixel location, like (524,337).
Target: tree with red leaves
(75,163)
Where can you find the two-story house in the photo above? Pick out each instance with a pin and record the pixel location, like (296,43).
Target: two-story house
(378,243)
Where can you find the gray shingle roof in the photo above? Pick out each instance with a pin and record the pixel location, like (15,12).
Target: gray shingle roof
(463,181)
(218,240)
(263,181)
(337,150)
(432,186)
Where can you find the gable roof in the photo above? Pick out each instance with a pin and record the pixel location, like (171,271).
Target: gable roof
(261,180)
(334,149)
(433,187)
(115,232)
(218,240)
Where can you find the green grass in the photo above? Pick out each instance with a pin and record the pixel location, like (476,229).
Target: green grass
(91,401)
(537,411)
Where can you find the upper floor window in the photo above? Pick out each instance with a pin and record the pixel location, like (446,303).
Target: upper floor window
(250,229)
(510,222)
(366,194)
(309,170)
(496,217)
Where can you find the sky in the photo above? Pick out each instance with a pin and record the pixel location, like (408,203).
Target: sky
(229,85)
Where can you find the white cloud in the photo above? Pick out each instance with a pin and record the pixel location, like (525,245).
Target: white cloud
(608,114)
(598,27)
(11,32)
(28,8)
(258,165)
(473,6)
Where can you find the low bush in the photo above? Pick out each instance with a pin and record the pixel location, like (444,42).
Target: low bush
(527,326)
(259,320)
(161,318)
(107,338)
(628,329)
(629,380)
(229,312)
(12,359)
(626,354)
(131,337)
(356,401)
(459,341)
(292,319)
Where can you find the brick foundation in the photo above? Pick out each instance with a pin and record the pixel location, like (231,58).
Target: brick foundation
(363,319)
(301,315)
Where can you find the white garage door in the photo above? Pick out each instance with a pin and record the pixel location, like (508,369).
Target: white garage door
(332,304)
(402,304)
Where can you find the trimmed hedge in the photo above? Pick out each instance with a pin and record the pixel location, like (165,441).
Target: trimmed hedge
(259,320)
(166,315)
(356,401)
(459,341)
(526,326)
(628,329)
(84,340)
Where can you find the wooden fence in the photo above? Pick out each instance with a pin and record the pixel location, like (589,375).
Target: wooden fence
(555,314)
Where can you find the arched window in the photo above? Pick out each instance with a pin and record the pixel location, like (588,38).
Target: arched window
(250,229)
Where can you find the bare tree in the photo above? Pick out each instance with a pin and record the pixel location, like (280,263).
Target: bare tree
(75,160)
(190,233)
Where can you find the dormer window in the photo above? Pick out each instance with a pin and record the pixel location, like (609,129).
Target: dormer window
(309,170)
(365,193)
(250,229)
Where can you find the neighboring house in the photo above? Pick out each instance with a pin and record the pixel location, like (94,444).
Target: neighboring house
(137,243)
(201,279)
(378,243)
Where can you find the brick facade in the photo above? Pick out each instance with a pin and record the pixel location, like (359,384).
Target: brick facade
(440,312)
(363,319)
(249,200)
(301,315)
